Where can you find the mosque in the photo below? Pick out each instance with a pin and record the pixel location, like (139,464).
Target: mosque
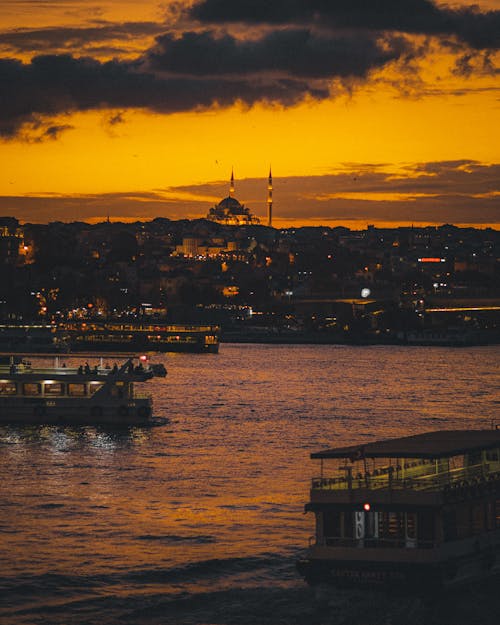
(231,212)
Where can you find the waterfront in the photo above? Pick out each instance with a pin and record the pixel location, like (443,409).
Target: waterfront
(202,521)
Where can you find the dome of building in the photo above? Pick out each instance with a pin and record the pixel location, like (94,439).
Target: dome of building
(230,205)
(230,211)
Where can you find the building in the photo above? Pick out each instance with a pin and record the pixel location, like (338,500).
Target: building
(230,211)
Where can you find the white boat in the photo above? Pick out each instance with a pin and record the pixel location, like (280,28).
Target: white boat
(412,512)
(76,396)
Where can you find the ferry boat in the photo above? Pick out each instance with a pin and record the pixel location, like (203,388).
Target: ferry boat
(99,395)
(411,512)
(118,336)
(32,339)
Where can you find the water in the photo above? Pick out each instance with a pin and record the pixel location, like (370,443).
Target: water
(201,521)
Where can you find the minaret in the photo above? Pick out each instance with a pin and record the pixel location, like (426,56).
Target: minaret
(231,186)
(270,199)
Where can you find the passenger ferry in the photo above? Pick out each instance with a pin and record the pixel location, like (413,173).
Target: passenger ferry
(32,338)
(99,395)
(118,336)
(412,512)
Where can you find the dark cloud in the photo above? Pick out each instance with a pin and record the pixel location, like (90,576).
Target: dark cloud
(202,69)
(477,29)
(54,84)
(296,52)
(41,39)
(53,131)
(116,118)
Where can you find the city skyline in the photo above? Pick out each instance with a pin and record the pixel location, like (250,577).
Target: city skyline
(138,111)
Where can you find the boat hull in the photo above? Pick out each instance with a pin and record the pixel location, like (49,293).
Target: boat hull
(405,576)
(50,412)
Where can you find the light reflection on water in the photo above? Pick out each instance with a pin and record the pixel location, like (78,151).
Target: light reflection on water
(201,521)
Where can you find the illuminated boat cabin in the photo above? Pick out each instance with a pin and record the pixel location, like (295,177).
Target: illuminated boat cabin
(422,509)
(109,336)
(84,395)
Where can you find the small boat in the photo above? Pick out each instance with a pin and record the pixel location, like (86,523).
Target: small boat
(99,395)
(418,512)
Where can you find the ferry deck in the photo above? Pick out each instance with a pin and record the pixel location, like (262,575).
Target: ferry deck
(412,511)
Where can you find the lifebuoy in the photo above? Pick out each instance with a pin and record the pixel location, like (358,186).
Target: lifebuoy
(96,411)
(123,411)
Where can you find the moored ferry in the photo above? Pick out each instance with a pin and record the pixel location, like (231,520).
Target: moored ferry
(116,336)
(34,338)
(412,512)
(99,395)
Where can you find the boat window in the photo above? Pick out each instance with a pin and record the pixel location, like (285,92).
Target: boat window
(477,518)
(474,457)
(348,523)
(31,388)
(371,524)
(449,525)
(93,388)
(391,525)
(76,390)
(8,388)
(490,515)
(54,388)
(425,526)
(411,525)
(463,517)
(331,524)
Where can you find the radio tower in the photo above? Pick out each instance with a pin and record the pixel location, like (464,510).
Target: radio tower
(270,199)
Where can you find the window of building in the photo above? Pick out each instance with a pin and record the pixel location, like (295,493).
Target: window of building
(76,390)
(8,388)
(31,388)
(53,388)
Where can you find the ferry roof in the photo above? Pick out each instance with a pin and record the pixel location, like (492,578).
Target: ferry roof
(439,444)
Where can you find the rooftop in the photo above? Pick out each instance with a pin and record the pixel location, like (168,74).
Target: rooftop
(439,444)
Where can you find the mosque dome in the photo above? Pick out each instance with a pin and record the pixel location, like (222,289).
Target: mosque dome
(230,211)
(230,205)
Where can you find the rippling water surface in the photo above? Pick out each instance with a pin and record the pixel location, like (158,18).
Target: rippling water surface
(201,521)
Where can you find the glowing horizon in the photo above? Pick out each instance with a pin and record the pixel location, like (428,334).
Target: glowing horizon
(409,104)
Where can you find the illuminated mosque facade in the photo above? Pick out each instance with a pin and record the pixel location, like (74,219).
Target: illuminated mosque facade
(231,212)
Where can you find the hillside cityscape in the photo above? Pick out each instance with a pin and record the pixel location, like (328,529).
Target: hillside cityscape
(316,284)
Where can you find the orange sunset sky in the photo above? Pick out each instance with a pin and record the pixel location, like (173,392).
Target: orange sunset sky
(380,112)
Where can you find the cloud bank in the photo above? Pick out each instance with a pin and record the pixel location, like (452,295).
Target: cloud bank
(462,191)
(297,49)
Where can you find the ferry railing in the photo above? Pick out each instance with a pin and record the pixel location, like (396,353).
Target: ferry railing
(393,480)
(100,371)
